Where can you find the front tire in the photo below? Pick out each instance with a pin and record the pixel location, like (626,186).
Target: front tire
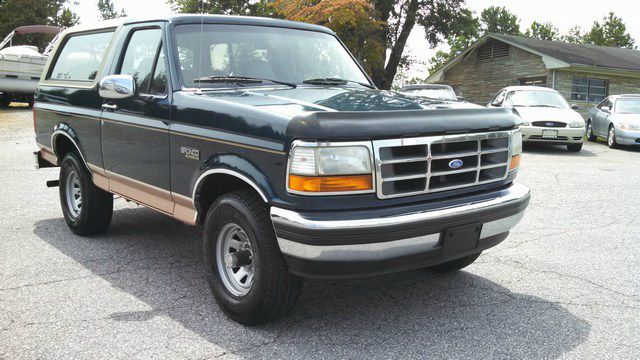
(454,265)
(246,271)
(87,209)
(611,138)
(590,135)
(574,147)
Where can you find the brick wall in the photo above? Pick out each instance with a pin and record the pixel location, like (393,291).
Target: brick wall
(479,81)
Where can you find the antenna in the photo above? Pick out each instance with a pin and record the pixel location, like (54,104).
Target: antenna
(201,36)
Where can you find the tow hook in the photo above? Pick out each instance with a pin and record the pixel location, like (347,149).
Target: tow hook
(53,183)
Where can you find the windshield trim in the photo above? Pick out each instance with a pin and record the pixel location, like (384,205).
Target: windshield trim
(174,63)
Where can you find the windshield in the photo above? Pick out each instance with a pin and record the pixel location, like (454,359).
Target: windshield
(268,53)
(536,98)
(628,106)
(436,93)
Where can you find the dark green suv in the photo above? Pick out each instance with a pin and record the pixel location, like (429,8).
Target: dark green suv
(270,135)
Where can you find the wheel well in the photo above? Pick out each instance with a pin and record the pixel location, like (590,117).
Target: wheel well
(62,146)
(216,185)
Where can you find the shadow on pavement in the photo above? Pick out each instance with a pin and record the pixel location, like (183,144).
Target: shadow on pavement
(415,313)
(559,150)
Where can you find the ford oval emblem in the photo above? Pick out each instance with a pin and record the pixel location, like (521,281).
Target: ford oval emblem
(549,124)
(455,163)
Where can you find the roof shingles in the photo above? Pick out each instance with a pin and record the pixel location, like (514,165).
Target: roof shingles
(579,54)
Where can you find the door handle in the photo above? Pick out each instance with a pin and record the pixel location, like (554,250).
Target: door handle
(109,107)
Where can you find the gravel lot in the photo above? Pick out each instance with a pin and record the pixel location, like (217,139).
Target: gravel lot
(566,283)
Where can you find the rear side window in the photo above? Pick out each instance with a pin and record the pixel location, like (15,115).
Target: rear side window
(80,57)
(140,55)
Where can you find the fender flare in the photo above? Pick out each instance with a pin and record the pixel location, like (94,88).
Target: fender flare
(65,130)
(236,166)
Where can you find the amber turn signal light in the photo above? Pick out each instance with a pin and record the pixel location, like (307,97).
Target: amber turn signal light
(322,184)
(515,162)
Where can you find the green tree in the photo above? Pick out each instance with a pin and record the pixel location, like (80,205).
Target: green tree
(574,35)
(15,13)
(499,20)
(108,10)
(226,7)
(611,32)
(467,31)
(543,31)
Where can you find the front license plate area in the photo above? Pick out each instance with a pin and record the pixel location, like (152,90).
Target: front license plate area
(460,239)
(549,134)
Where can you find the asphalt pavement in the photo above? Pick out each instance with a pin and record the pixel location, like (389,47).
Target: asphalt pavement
(565,284)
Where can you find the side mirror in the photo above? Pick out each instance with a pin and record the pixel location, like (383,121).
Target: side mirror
(605,109)
(117,87)
(575,107)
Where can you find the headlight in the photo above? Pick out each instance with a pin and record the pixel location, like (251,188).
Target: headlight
(577,123)
(516,150)
(317,169)
(627,126)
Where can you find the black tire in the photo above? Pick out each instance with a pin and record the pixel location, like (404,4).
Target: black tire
(454,265)
(611,138)
(96,209)
(4,103)
(274,290)
(590,135)
(574,147)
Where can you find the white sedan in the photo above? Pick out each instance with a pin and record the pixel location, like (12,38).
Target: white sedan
(546,116)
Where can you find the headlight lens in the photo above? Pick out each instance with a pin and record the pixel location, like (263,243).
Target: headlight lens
(516,150)
(330,169)
(577,123)
(626,126)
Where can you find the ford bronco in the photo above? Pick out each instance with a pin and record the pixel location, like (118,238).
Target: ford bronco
(269,134)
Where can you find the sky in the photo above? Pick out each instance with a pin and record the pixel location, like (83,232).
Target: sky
(562,13)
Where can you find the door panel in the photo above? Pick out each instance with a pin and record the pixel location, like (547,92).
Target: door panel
(135,130)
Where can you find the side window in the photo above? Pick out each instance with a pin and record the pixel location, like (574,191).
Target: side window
(499,98)
(602,103)
(80,57)
(139,56)
(159,80)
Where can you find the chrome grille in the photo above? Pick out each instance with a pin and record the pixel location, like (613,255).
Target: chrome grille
(422,165)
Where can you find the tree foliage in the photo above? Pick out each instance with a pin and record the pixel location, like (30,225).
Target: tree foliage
(499,20)
(108,10)
(611,32)
(354,21)
(543,31)
(15,13)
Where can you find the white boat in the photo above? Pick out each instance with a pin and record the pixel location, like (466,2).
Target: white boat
(21,65)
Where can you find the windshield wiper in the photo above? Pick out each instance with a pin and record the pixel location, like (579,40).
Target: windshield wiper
(543,105)
(240,80)
(336,81)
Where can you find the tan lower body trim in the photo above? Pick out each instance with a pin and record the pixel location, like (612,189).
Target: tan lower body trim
(184,209)
(48,155)
(99,178)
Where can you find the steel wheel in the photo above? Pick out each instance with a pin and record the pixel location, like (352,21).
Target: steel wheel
(73,193)
(234,259)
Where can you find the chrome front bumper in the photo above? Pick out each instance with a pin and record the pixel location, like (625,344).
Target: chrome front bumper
(372,241)
(564,135)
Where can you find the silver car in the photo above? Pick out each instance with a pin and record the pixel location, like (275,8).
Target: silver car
(616,118)
(546,116)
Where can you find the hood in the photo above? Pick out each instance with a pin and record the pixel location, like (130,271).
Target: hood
(303,100)
(529,114)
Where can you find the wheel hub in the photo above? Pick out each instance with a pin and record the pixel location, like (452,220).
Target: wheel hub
(73,193)
(235,259)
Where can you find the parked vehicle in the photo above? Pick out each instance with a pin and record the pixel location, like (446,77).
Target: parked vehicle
(616,118)
(547,117)
(21,66)
(270,135)
(437,96)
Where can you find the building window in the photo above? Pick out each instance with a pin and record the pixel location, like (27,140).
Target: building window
(493,49)
(591,90)
(533,81)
